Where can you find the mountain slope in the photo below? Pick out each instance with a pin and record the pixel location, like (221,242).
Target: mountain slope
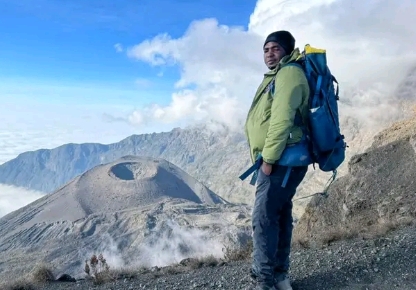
(378,192)
(385,263)
(137,210)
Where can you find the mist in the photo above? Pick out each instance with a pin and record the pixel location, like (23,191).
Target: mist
(167,244)
(13,198)
(170,243)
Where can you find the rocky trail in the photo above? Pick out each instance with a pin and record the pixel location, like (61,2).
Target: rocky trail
(381,263)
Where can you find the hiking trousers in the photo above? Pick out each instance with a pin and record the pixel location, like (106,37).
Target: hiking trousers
(272,223)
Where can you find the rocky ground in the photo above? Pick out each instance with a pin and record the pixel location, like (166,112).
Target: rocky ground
(381,263)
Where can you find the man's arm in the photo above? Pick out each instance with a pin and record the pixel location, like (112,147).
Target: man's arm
(289,88)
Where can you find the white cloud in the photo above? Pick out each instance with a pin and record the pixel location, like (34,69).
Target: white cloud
(32,126)
(118,47)
(370,47)
(214,59)
(13,198)
(364,40)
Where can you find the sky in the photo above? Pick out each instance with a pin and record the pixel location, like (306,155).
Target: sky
(100,70)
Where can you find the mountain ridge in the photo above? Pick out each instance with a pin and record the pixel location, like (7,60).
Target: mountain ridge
(182,147)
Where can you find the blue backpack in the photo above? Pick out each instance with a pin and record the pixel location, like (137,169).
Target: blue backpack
(326,141)
(323,142)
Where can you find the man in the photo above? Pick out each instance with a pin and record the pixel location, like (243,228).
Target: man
(270,127)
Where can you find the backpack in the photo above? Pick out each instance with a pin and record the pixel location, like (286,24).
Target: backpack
(327,145)
(323,142)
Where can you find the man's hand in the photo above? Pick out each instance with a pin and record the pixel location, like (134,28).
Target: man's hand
(266,168)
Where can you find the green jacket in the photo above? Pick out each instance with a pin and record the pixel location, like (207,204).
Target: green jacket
(270,121)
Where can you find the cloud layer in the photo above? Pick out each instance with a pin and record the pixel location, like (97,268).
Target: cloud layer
(32,126)
(13,198)
(370,48)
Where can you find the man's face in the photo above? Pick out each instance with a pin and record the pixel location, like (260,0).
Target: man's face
(273,53)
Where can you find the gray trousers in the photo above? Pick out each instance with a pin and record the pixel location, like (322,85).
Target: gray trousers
(272,223)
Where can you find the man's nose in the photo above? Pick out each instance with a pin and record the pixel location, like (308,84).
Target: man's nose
(268,54)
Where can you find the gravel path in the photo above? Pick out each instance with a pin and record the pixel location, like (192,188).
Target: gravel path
(384,264)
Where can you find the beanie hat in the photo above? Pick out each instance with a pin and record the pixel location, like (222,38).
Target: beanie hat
(283,38)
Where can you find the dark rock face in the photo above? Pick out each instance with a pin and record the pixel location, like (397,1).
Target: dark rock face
(379,192)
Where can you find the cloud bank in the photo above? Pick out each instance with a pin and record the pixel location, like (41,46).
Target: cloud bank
(13,198)
(27,126)
(370,48)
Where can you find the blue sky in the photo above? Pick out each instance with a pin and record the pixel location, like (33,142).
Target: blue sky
(50,49)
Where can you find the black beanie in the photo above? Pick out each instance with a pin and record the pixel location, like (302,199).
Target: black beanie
(283,38)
